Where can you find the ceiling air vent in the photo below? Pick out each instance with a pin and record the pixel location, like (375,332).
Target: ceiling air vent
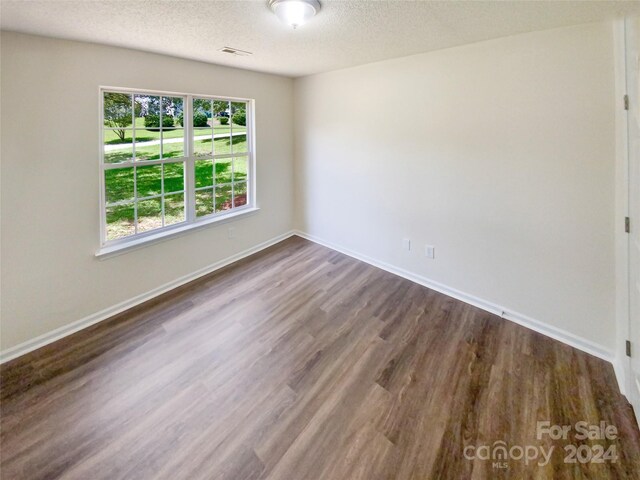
(235,51)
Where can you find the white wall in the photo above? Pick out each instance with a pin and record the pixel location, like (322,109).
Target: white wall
(500,153)
(50,222)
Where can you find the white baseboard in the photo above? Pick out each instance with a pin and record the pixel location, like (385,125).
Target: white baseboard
(97,317)
(528,322)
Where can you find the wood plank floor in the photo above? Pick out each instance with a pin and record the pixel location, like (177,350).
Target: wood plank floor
(299,363)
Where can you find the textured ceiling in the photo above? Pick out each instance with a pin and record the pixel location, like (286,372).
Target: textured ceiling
(345,33)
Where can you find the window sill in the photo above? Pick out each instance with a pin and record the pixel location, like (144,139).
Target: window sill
(108,251)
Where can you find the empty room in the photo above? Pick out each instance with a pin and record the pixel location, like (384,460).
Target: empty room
(319,239)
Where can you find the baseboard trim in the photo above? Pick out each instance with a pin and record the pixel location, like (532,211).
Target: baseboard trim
(563,336)
(57,334)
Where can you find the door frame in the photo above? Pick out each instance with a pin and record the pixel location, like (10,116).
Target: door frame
(621,362)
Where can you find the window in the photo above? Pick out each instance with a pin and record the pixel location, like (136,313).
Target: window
(171,161)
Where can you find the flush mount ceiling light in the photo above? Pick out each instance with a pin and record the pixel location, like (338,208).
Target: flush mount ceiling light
(294,12)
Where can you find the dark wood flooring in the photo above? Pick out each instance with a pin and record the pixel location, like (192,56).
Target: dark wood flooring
(300,363)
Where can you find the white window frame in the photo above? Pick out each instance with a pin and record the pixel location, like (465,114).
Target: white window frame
(109,247)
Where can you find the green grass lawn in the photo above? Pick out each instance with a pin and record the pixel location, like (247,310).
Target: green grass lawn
(221,146)
(119,185)
(144,135)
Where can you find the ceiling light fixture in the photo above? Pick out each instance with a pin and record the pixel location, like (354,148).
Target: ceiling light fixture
(294,12)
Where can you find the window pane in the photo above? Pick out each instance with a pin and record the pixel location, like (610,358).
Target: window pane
(148,113)
(240,168)
(118,145)
(221,110)
(142,135)
(202,142)
(239,115)
(173,143)
(223,198)
(118,113)
(220,123)
(120,221)
(149,215)
(173,177)
(172,112)
(239,126)
(173,209)
(201,112)
(117,136)
(240,141)
(223,170)
(149,147)
(149,180)
(204,173)
(204,202)
(239,194)
(118,183)
(147,135)
(222,143)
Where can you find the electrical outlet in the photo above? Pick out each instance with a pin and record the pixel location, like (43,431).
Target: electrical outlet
(231,232)
(406,244)
(430,251)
